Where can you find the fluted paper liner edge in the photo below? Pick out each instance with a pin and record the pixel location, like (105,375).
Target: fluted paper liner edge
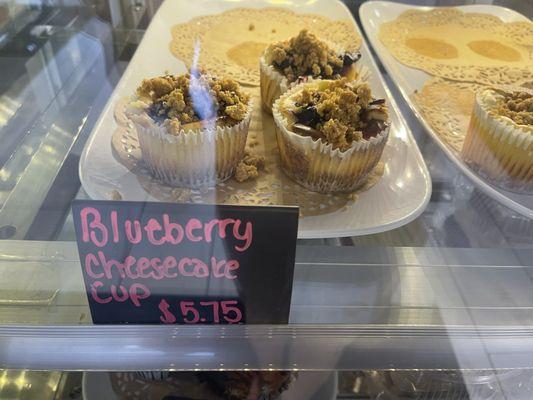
(316,165)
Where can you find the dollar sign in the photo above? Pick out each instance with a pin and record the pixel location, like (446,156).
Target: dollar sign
(167,317)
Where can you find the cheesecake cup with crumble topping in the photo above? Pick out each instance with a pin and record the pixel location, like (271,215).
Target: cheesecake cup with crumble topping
(499,141)
(302,57)
(192,128)
(330,133)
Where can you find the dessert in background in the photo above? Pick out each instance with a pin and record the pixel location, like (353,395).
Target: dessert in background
(304,56)
(246,385)
(499,141)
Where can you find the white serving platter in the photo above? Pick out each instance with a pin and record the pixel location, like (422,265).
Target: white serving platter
(400,195)
(407,79)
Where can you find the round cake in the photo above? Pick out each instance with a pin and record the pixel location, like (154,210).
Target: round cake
(499,141)
(304,56)
(192,128)
(330,133)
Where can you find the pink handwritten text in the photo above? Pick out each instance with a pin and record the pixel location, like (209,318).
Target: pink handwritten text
(162,232)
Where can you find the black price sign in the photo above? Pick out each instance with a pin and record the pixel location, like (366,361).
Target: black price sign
(186,263)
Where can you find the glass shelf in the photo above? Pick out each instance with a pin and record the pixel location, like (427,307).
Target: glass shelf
(355,308)
(452,289)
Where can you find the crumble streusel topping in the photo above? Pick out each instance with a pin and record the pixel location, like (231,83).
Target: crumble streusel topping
(306,55)
(339,114)
(249,166)
(517,106)
(187,99)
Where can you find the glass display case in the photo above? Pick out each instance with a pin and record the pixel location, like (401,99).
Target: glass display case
(417,285)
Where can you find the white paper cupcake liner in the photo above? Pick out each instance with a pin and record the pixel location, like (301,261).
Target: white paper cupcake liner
(274,84)
(316,165)
(193,158)
(499,150)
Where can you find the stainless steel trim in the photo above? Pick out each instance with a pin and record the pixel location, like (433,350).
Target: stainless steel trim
(262,347)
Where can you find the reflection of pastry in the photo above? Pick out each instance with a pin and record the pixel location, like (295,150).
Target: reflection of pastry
(192,129)
(302,56)
(243,385)
(499,142)
(331,134)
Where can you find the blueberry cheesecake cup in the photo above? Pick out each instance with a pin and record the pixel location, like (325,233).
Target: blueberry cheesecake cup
(499,141)
(302,57)
(192,128)
(330,133)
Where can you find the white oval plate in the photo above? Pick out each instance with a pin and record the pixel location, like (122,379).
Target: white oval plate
(400,196)
(373,14)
